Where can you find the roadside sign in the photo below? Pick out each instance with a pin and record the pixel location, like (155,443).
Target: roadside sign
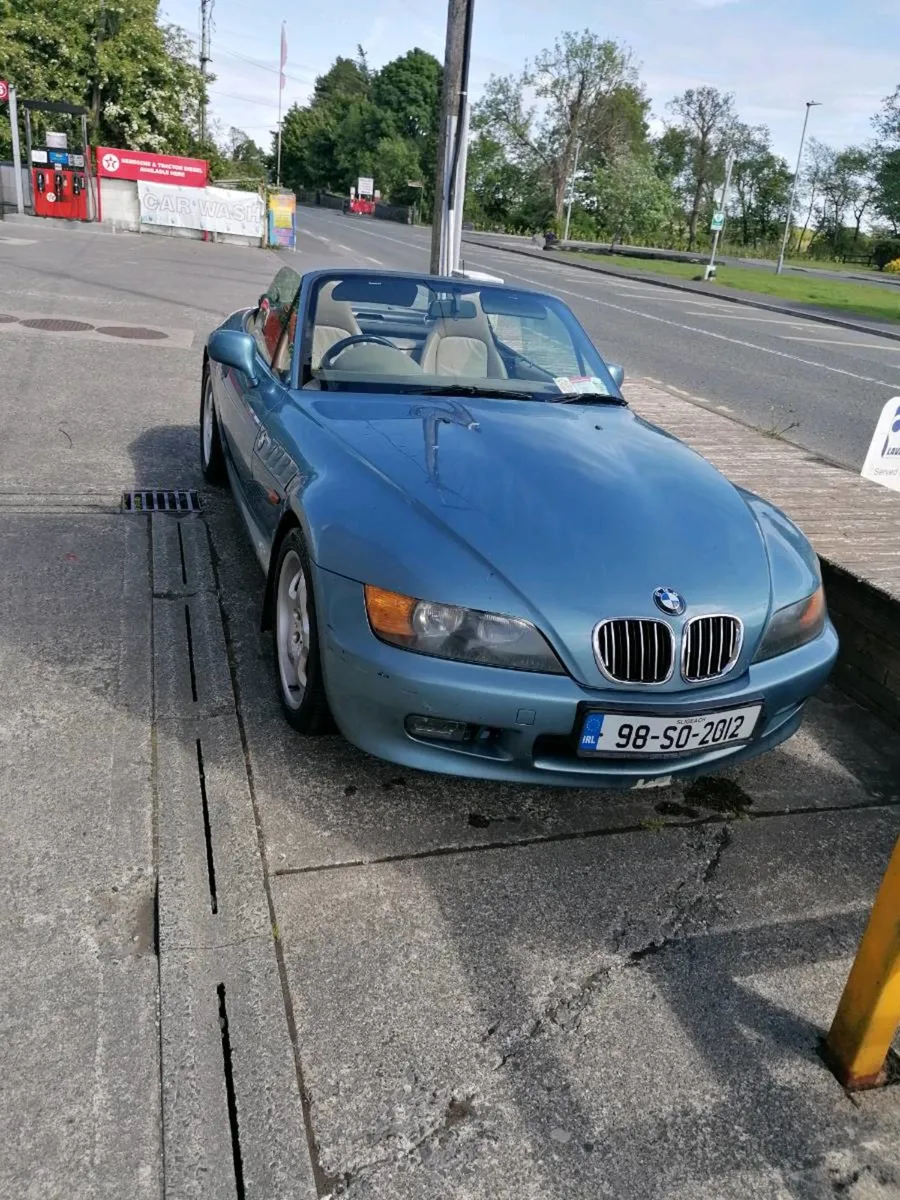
(882,463)
(365,185)
(718,222)
(4,90)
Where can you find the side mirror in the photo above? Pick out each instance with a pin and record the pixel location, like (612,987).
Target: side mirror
(618,373)
(232,348)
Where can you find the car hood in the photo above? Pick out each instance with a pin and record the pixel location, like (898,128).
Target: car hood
(584,511)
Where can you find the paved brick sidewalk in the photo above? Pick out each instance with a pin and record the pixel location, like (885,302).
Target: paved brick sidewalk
(852,523)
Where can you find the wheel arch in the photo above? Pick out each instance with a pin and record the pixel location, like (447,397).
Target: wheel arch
(289,521)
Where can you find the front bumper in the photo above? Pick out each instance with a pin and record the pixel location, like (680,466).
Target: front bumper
(372,689)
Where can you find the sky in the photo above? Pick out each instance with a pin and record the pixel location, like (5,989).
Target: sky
(773,54)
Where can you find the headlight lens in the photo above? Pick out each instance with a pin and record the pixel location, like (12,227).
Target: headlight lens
(459,634)
(793,626)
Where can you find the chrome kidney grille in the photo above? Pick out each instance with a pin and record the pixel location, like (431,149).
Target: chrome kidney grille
(634,650)
(710,648)
(641,650)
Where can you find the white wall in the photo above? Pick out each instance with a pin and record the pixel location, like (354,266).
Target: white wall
(119,204)
(8,188)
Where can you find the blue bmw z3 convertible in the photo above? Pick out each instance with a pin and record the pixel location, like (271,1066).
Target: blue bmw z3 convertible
(479,560)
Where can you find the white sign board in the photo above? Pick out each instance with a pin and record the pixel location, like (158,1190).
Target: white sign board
(365,186)
(717,222)
(882,463)
(216,210)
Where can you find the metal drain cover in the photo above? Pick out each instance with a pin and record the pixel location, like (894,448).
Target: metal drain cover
(57,325)
(6,319)
(132,331)
(149,500)
(161,499)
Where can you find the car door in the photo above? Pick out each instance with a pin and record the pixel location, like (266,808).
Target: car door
(273,467)
(243,404)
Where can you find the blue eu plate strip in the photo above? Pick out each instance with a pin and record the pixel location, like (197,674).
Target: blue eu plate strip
(590,731)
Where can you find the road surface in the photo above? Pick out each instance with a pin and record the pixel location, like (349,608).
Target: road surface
(817,385)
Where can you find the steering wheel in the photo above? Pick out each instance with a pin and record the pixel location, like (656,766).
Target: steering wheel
(332,352)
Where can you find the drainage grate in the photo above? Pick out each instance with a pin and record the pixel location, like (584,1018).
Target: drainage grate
(132,331)
(57,325)
(6,319)
(160,500)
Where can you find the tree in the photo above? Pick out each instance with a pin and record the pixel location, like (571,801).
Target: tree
(816,164)
(502,194)
(587,90)
(761,186)
(886,191)
(137,78)
(886,197)
(631,201)
(708,121)
(359,123)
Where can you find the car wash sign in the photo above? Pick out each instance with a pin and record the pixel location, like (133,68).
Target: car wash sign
(215,210)
(882,463)
(137,165)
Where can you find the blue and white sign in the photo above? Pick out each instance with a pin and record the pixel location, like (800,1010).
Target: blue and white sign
(882,463)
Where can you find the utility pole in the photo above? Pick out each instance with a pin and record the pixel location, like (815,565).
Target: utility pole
(790,216)
(572,191)
(205,14)
(454,113)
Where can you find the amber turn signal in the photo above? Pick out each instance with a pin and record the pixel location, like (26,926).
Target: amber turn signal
(390,613)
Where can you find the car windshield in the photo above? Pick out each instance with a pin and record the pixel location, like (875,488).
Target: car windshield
(383,332)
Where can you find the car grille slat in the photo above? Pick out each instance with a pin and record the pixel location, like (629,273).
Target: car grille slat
(712,646)
(634,650)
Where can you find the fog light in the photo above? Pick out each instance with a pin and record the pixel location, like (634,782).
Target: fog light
(438,728)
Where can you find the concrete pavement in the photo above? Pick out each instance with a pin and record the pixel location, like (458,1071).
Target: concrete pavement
(819,387)
(234,962)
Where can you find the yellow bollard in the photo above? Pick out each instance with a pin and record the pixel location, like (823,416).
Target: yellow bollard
(869,1012)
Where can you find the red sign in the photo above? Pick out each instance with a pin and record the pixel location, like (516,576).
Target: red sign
(155,168)
(4,90)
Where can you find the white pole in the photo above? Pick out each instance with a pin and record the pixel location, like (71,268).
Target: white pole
(571,191)
(16,150)
(282,60)
(790,216)
(729,166)
(446,215)
(456,217)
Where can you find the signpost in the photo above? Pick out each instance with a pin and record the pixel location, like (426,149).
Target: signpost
(4,90)
(365,186)
(717,224)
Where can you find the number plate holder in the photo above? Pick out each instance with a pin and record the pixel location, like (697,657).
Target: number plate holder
(597,726)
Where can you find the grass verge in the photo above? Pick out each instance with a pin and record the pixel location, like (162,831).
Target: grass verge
(863,299)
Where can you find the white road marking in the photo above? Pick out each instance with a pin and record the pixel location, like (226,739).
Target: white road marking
(793,337)
(14,241)
(376,261)
(316,236)
(719,337)
(341,246)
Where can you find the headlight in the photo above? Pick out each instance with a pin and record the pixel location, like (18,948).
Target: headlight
(460,634)
(793,626)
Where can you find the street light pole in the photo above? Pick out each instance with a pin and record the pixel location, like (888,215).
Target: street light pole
(790,216)
(571,191)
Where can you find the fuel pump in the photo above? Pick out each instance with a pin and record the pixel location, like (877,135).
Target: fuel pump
(59,183)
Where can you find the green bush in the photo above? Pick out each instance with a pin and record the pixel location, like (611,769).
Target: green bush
(885,251)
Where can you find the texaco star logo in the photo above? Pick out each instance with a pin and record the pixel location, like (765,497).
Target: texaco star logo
(110,162)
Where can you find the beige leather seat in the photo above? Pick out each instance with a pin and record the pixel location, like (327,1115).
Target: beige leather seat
(463,346)
(334,321)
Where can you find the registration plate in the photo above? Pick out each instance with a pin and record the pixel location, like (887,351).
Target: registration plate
(611,733)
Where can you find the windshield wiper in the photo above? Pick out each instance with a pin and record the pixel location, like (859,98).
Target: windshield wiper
(474,389)
(586,397)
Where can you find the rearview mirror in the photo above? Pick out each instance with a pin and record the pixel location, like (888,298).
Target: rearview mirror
(232,348)
(618,373)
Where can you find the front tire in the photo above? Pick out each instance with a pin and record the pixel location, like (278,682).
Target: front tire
(298,665)
(212,457)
